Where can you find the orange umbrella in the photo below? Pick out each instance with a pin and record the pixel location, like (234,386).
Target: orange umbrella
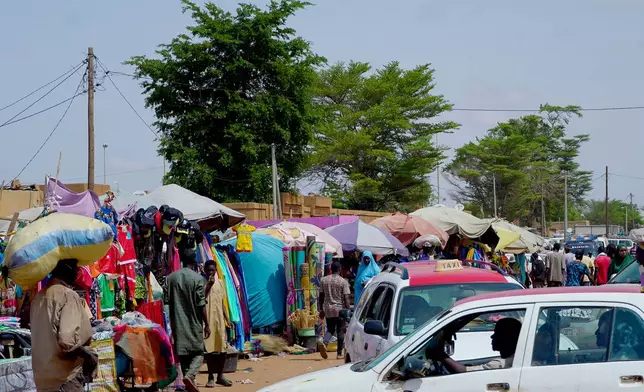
(406,228)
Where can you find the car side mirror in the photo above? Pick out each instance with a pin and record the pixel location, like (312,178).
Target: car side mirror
(346,314)
(375,327)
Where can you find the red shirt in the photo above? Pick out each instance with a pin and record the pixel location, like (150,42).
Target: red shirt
(602,263)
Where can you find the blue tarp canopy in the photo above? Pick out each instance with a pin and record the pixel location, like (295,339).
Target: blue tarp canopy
(265,278)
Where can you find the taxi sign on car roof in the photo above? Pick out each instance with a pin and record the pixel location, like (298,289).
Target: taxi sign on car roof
(448,265)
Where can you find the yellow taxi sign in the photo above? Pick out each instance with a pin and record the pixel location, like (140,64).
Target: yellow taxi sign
(448,265)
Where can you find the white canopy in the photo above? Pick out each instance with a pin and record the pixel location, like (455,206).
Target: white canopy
(208,213)
(528,241)
(454,221)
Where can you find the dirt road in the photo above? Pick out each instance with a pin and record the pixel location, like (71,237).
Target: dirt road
(269,371)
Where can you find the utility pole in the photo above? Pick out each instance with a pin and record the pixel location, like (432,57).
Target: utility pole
(630,195)
(606,205)
(277,200)
(438,174)
(90,119)
(626,221)
(104,164)
(494,191)
(565,207)
(543,215)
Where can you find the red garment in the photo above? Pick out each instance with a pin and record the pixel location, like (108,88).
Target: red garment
(153,311)
(126,261)
(107,265)
(602,264)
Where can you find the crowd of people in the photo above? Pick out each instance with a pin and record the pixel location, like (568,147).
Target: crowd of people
(61,330)
(557,268)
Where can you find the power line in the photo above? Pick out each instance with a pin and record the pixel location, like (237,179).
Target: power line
(43,96)
(41,111)
(53,130)
(626,176)
(107,73)
(599,109)
(118,173)
(74,69)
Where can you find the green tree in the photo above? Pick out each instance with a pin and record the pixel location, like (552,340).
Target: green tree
(595,212)
(227,90)
(373,147)
(525,158)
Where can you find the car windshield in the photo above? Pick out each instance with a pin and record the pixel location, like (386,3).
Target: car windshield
(586,247)
(371,363)
(416,305)
(628,274)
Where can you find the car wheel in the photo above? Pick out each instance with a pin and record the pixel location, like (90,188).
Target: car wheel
(347,358)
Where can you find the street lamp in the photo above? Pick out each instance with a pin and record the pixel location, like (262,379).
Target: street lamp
(104,160)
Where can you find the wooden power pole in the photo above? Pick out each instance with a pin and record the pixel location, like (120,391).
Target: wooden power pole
(606,204)
(90,119)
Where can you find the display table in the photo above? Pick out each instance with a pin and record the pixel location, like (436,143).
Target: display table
(16,375)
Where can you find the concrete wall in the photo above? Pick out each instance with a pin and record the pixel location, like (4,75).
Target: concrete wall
(12,201)
(300,206)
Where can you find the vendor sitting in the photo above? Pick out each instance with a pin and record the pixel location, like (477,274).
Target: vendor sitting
(504,340)
(61,333)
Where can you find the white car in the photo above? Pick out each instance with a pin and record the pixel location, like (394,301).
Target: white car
(605,323)
(404,296)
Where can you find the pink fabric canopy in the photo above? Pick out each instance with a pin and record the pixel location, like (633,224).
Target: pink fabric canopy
(406,228)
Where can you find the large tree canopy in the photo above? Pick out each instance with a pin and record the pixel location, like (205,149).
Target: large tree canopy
(526,158)
(618,212)
(226,91)
(373,147)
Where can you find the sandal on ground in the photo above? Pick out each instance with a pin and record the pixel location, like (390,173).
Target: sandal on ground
(225,382)
(210,383)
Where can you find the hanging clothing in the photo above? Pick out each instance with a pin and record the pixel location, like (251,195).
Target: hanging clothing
(244,239)
(126,261)
(216,301)
(106,288)
(365,272)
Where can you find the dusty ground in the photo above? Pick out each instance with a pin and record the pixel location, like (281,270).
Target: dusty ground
(270,370)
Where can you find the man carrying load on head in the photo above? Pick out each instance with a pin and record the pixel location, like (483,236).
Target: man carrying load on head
(61,334)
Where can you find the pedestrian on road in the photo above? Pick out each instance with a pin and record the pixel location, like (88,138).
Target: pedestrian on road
(61,334)
(621,260)
(334,296)
(555,267)
(602,265)
(538,272)
(216,344)
(577,270)
(366,270)
(589,261)
(188,318)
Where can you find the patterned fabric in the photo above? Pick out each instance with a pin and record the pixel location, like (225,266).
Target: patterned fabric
(575,271)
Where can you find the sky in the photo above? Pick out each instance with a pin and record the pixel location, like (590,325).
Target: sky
(500,54)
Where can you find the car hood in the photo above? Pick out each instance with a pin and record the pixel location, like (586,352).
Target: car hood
(337,378)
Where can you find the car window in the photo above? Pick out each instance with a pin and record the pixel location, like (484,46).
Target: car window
(385,308)
(364,298)
(627,337)
(628,274)
(416,305)
(567,335)
(372,304)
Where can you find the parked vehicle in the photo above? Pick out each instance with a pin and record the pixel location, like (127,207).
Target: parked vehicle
(402,297)
(598,355)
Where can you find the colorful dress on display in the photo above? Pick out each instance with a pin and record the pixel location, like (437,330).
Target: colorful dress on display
(244,239)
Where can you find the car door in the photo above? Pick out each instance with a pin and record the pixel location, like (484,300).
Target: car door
(354,338)
(382,311)
(506,379)
(601,350)
(370,344)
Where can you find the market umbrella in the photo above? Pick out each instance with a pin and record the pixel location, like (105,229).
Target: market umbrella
(527,242)
(407,228)
(360,236)
(454,221)
(312,230)
(292,236)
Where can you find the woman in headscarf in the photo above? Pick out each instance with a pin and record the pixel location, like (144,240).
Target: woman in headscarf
(620,260)
(366,270)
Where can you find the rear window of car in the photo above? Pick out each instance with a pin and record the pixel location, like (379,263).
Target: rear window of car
(416,305)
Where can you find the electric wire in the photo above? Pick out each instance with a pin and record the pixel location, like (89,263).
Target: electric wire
(53,130)
(74,69)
